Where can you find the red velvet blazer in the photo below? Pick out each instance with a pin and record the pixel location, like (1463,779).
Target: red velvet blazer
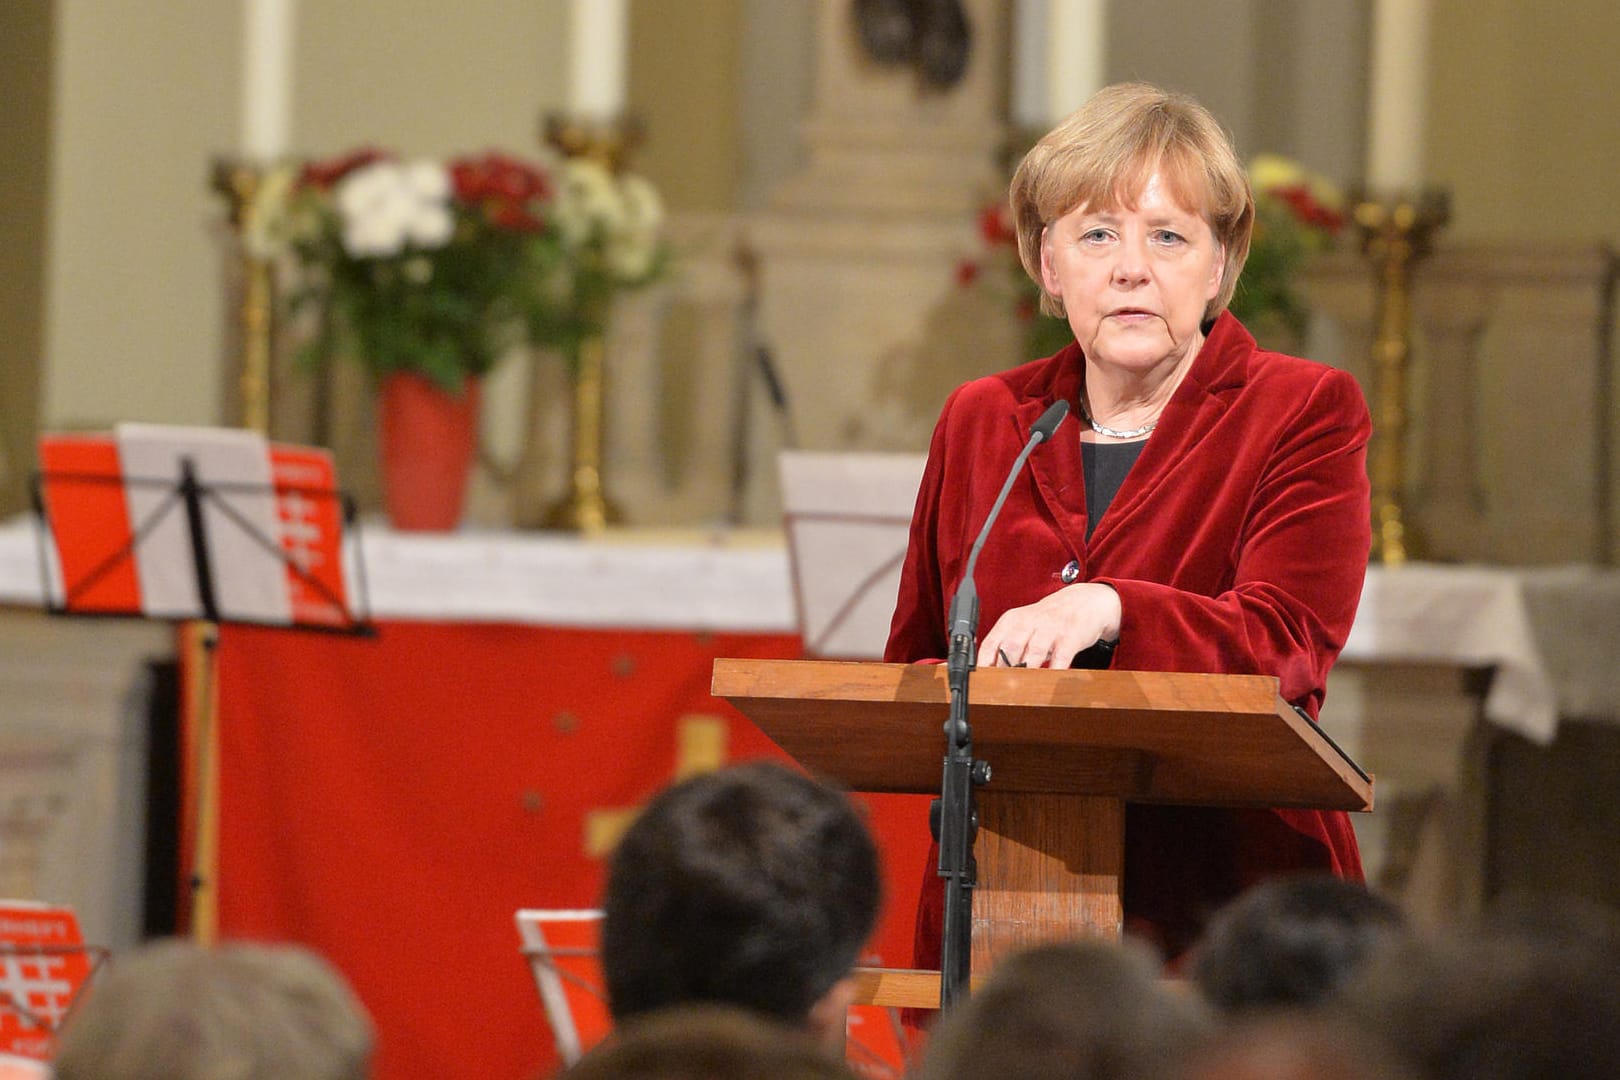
(1238,544)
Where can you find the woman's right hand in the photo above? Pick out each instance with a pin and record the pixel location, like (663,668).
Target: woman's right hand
(1054,629)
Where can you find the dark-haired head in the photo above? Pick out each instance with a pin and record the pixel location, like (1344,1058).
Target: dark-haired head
(1292,941)
(753,886)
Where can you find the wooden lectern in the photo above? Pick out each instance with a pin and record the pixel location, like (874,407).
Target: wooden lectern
(1067,750)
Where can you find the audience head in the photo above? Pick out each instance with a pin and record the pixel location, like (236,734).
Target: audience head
(754,886)
(180,1011)
(1291,941)
(707,1042)
(1297,1045)
(1085,1010)
(1498,1005)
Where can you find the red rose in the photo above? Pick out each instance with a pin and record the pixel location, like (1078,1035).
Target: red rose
(503,188)
(1305,207)
(995,225)
(513,216)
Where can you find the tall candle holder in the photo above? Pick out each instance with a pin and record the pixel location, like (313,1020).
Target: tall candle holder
(1396,232)
(239,183)
(607,141)
(585,507)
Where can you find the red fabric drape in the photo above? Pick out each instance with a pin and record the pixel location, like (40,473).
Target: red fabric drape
(392,802)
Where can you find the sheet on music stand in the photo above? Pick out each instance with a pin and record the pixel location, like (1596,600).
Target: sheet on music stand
(120,543)
(848,519)
(250,579)
(561,947)
(44,966)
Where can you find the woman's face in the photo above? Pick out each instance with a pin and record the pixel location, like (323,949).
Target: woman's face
(1134,282)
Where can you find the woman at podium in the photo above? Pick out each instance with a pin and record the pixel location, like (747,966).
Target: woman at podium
(1204,506)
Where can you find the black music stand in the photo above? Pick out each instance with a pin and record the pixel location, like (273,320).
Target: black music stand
(195,545)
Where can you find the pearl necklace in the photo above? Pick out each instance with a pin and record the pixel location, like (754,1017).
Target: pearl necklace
(1116,433)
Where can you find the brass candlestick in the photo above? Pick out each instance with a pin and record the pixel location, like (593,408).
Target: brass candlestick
(608,142)
(585,507)
(239,183)
(1395,233)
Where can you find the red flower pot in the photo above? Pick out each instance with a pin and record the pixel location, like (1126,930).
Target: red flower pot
(427,438)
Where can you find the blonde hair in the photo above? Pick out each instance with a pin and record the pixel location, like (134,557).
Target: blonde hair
(176,1010)
(1105,153)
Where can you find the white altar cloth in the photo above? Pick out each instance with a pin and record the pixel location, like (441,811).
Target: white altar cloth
(1464,615)
(645,579)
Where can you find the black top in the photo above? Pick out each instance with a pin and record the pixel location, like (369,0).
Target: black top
(1105,466)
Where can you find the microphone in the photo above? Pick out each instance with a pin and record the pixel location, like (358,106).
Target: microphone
(964,617)
(957,821)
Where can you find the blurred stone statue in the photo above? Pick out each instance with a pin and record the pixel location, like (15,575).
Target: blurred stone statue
(931,35)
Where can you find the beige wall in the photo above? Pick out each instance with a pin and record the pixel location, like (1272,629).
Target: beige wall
(776,81)
(25,87)
(684,60)
(1523,122)
(428,77)
(1525,132)
(1525,127)
(146,96)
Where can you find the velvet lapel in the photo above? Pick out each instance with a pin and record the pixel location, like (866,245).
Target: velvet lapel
(1198,405)
(1059,477)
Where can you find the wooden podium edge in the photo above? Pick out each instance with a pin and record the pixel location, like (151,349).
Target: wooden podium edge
(900,988)
(741,680)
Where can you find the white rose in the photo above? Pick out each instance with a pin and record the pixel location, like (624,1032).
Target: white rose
(369,238)
(588,202)
(384,205)
(428,181)
(632,245)
(644,209)
(361,191)
(269,223)
(430,226)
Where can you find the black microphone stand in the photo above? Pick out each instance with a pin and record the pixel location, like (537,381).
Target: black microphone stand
(955,819)
(958,818)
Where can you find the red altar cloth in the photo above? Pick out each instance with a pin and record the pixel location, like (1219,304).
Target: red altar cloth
(392,803)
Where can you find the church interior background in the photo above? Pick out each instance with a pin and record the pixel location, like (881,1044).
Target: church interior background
(819,204)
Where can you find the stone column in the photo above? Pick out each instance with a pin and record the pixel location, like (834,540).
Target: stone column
(1512,402)
(1449,499)
(857,252)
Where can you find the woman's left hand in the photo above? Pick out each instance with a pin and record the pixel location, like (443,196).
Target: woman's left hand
(1051,631)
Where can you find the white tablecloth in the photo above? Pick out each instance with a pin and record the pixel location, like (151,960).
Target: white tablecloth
(1464,615)
(652,579)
